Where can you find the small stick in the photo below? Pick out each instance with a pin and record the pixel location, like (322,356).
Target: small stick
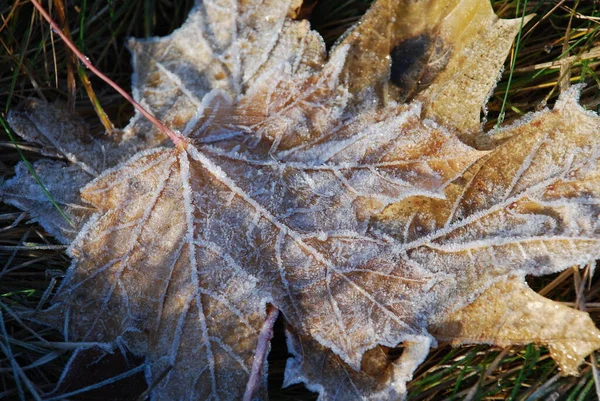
(264,338)
(177,139)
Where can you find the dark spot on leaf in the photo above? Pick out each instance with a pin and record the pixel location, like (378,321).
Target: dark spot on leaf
(415,62)
(408,61)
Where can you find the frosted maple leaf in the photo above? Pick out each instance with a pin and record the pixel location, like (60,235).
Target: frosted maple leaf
(354,191)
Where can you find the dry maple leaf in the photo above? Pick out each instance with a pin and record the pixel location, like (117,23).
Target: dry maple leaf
(343,189)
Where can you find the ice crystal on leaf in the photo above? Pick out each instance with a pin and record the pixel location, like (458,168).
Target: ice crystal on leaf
(355,191)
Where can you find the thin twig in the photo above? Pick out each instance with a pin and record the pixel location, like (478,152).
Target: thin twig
(264,338)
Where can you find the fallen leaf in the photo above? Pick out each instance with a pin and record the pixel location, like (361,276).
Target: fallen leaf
(497,317)
(345,190)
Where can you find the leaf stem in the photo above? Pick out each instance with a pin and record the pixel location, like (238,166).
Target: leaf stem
(264,338)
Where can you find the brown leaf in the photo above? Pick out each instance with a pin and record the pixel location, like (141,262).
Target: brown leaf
(382,375)
(306,183)
(233,45)
(172,294)
(60,134)
(63,182)
(445,53)
(511,313)
(251,245)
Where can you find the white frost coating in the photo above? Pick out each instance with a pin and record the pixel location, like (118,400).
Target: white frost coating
(570,98)
(173,77)
(310,364)
(312,253)
(355,216)
(195,282)
(322,154)
(130,173)
(209,107)
(63,183)
(415,351)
